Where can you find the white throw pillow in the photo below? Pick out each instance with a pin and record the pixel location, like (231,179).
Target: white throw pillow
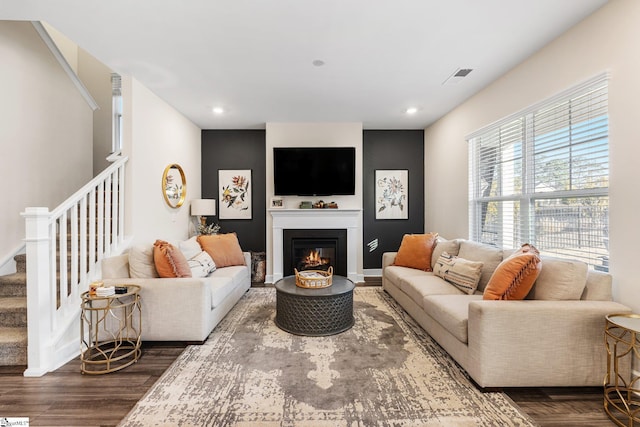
(560,280)
(201,265)
(490,256)
(190,247)
(141,263)
(443,245)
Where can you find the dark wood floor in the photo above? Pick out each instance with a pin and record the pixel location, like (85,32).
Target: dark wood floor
(67,398)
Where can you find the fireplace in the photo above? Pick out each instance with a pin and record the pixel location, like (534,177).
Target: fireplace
(314,219)
(315,249)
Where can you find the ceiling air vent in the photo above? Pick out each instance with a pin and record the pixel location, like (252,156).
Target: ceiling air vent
(458,75)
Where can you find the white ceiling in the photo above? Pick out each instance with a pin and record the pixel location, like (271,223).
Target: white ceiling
(255,57)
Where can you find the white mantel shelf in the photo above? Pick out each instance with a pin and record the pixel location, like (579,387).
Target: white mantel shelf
(296,219)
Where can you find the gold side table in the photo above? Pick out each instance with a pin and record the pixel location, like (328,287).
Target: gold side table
(622,383)
(110,331)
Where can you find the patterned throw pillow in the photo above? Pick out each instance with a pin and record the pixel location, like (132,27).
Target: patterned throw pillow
(461,273)
(415,251)
(514,277)
(201,265)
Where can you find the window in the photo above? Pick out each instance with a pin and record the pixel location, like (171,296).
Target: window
(542,176)
(116,106)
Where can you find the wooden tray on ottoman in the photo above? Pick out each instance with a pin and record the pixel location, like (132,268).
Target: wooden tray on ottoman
(314,279)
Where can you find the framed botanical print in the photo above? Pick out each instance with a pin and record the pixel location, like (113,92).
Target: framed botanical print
(392,190)
(234,194)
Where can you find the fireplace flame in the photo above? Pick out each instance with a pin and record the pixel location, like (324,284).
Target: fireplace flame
(314,259)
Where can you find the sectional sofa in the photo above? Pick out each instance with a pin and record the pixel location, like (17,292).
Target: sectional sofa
(553,337)
(179,308)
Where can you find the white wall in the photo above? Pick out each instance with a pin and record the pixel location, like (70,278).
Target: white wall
(45,131)
(607,40)
(314,135)
(97,79)
(155,136)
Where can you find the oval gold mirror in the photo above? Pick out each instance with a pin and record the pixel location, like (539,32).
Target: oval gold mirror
(174,185)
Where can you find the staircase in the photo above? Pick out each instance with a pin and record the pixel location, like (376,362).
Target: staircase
(64,248)
(13,308)
(13,315)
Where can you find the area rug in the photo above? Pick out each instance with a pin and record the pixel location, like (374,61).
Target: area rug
(385,371)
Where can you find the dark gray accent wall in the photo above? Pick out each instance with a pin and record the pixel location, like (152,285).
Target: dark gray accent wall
(391,149)
(238,149)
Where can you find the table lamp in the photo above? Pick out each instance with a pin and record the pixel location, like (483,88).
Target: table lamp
(203,208)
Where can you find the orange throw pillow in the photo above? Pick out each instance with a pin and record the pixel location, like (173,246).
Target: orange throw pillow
(416,250)
(224,249)
(169,261)
(514,277)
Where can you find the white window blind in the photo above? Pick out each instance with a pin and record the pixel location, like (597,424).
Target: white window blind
(542,176)
(116,106)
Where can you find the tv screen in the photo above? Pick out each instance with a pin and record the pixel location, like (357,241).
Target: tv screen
(314,171)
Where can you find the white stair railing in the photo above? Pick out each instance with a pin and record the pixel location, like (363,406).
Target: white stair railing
(64,247)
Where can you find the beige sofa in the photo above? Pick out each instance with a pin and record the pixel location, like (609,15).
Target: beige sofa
(555,337)
(182,309)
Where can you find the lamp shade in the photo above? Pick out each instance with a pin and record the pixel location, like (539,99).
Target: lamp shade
(203,207)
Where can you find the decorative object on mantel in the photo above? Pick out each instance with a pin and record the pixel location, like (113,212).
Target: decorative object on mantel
(277,203)
(320,204)
(306,205)
(235,193)
(174,186)
(314,279)
(203,208)
(392,189)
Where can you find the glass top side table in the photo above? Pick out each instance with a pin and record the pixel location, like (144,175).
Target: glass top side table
(622,383)
(110,331)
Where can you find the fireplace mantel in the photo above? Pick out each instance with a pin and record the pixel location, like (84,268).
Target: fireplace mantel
(348,219)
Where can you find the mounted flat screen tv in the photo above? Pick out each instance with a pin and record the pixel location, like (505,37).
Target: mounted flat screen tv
(314,171)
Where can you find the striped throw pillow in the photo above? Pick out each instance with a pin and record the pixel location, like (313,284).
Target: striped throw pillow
(461,273)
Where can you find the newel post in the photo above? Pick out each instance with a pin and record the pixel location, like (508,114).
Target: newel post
(39,294)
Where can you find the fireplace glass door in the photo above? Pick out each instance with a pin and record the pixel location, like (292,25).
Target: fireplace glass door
(314,255)
(315,250)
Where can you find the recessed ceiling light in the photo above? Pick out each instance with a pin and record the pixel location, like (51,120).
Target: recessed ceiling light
(411,110)
(218,110)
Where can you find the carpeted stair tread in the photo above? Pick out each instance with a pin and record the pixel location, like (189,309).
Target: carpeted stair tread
(13,312)
(21,263)
(13,303)
(13,346)
(13,285)
(13,335)
(13,278)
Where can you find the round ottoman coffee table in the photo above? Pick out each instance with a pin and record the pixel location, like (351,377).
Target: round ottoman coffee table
(314,312)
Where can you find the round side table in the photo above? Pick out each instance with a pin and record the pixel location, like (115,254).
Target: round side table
(622,383)
(110,331)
